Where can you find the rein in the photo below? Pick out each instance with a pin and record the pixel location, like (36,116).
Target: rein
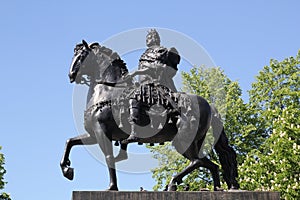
(117,84)
(106,83)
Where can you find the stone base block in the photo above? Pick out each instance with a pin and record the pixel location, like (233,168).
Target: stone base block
(145,195)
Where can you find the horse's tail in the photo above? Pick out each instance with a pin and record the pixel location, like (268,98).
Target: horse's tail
(226,154)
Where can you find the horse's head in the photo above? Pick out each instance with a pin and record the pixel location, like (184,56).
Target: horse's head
(96,62)
(83,59)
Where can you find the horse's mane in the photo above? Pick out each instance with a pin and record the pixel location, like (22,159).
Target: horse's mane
(114,58)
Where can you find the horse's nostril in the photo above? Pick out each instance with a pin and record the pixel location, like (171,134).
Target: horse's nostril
(72,77)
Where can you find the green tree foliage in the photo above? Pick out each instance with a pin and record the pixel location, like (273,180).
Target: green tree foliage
(218,89)
(274,100)
(265,132)
(2,170)
(238,125)
(3,196)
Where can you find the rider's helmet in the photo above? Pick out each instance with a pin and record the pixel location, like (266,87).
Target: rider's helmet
(152,38)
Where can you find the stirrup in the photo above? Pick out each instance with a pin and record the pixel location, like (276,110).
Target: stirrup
(130,139)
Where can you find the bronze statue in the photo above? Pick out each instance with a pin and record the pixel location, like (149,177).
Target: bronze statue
(157,66)
(107,114)
(158,63)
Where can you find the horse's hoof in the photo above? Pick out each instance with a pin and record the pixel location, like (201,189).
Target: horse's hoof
(234,187)
(172,187)
(236,190)
(166,188)
(112,188)
(68,172)
(204,189)
(218,189)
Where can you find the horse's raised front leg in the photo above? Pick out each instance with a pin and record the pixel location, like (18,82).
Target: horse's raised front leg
(65,162)
(105,144)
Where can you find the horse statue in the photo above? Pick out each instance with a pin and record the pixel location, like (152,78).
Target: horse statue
(109,87)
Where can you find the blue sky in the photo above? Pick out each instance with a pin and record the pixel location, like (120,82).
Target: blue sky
(37,41)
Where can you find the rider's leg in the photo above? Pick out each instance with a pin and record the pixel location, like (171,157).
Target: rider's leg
(133,111)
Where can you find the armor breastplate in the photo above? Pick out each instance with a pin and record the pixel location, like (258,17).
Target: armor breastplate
(154,55)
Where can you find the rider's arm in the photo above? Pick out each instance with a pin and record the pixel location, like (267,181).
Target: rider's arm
(143,71)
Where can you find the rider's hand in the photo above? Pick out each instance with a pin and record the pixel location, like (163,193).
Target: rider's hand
(128,79)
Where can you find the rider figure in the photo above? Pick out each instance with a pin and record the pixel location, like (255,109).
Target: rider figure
(157,65)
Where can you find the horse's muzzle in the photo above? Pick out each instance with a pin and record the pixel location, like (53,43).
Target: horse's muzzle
(72,77)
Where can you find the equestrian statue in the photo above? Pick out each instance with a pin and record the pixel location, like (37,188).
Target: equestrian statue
(149,110)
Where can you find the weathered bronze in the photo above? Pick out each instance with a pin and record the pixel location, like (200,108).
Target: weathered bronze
(167,114)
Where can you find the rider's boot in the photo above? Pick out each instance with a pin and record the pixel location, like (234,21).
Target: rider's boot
(132,137)
(133,111)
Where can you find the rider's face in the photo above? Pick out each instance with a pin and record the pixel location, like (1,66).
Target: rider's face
(152,40)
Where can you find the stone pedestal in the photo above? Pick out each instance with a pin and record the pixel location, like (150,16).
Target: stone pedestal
(132,195)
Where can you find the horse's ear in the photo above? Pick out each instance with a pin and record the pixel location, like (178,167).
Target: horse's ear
(94,44)
(85,44)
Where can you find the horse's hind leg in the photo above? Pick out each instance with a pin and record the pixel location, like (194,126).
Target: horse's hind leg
(200,162)
(177,179)
(214,169)
(192,153)
(227,157)
(65,162)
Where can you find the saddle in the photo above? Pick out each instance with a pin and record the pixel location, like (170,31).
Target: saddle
(150,95)
(154,94)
